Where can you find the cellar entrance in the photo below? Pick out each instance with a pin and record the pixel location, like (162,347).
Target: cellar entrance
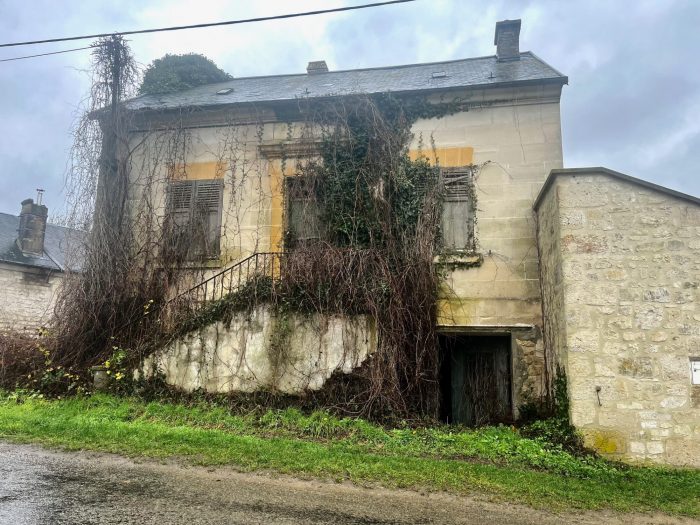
(476,379)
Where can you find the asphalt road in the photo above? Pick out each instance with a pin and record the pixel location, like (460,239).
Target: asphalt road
(41,487)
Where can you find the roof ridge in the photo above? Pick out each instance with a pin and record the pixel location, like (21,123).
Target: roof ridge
(374,68)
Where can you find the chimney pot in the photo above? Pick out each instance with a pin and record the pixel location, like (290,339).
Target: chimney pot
(32,227)
(315,67)
(507,40)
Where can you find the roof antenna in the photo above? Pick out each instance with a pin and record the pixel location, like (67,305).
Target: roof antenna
(39,195)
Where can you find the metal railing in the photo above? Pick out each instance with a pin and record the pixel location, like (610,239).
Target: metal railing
(227,281)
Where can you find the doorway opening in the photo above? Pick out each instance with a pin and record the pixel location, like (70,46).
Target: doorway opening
(476,379)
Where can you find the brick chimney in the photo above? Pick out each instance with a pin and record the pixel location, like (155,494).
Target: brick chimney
(507,40)
(32,227)
(319,66)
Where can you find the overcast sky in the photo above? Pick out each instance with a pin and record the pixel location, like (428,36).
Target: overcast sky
(632,104)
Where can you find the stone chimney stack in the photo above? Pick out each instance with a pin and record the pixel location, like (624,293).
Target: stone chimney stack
(319,66)
(32,227)
(507,40)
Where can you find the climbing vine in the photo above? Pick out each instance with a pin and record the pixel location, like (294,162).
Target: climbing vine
(375,207)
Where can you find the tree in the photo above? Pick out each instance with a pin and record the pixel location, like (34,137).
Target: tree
(177,72)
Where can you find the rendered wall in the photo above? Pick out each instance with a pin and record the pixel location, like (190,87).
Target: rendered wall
(514,132)
(630,276)
(27,297)
(259,351)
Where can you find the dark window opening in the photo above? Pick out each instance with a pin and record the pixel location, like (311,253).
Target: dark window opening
(194,217)
(475,379)
(303,214)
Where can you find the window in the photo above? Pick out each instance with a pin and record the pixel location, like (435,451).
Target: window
(458,210)
(303,213)
(194,210)
(695,370)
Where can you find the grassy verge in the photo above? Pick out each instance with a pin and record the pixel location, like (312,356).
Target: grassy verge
(493,460)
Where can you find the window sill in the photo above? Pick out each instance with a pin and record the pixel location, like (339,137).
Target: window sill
(459,260)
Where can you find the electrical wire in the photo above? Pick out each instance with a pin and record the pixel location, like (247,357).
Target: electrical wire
(47,54)
(211,24)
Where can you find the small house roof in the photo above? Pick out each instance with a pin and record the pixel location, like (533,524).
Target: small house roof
(59,244)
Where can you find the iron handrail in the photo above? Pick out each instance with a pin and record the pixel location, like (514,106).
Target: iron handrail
(218,282)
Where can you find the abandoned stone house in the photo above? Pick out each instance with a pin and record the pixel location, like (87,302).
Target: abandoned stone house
(33,261)
(588,269)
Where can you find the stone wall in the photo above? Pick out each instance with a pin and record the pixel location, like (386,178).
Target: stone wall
(260,351)
(630,278)
(550,254)
(27,297)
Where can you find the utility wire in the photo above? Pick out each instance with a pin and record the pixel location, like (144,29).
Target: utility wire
(212,24)
(46,54)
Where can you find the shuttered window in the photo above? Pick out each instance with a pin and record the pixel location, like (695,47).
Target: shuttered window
(194,208)
(458,213)
(303,213)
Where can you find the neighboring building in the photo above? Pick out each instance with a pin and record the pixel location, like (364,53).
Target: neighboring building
(33,260)
(620,260)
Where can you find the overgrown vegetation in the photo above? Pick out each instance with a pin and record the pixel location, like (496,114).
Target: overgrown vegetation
(373,215)
(548,419)
(497,459)
(378,218)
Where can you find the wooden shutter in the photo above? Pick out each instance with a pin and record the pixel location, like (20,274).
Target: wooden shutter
(457,214)
(180,198)
(208,201)
(195,208)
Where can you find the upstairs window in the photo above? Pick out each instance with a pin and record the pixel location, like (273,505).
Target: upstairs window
(194,210)
(303,212)
(458,210)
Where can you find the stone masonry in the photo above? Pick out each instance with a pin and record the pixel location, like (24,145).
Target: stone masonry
(27,297)
(621,280)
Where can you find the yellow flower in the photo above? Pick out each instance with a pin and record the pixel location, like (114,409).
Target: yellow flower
(118,376)
(107,364)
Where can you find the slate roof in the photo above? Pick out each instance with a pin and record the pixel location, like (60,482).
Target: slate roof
(471,72)
(57,243)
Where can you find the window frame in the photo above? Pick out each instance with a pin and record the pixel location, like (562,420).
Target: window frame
(292,239)
(458,187)
(202,204)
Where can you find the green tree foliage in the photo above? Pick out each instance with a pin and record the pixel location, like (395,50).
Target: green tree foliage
(177,72)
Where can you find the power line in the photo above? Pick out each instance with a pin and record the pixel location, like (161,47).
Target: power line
(211,24)
(46,54)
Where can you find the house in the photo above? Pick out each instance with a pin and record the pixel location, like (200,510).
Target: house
(542,267)
(34,257)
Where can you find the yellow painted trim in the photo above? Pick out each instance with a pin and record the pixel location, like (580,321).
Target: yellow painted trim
(276,205)
(197,171)
(446,157)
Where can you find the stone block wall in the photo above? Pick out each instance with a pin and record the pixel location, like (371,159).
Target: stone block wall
(27,297)
(621,274)
(516,138)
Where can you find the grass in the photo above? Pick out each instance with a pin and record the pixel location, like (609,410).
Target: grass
(495,460)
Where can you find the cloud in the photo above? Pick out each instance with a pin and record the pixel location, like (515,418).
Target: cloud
(632,103)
